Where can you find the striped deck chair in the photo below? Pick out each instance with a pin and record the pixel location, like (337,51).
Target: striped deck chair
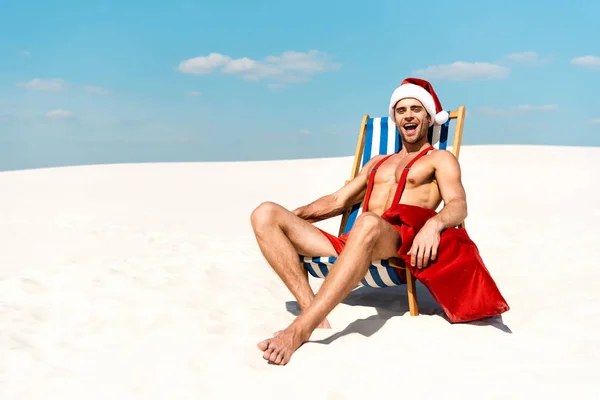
(377,136)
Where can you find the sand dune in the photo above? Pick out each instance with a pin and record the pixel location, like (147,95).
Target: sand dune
(143,281)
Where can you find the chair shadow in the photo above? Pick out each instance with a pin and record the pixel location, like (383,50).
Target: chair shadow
(389,303)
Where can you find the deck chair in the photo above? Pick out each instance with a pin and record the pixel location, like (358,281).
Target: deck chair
(378,136)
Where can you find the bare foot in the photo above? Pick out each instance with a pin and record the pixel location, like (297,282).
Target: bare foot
(282,345)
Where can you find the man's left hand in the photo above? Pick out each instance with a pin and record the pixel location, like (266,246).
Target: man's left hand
(425,245)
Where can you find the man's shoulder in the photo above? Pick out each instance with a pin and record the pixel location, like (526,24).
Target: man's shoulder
(444,163)
(441,153)
(443,156)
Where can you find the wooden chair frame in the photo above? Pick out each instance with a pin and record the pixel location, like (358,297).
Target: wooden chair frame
(459,116)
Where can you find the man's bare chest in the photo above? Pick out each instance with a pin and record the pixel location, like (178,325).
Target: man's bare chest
(390,172)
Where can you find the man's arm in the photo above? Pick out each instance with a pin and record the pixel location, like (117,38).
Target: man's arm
(335,203)
(425,244)
(448,176)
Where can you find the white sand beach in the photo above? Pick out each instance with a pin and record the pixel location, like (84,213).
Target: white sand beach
(144,281)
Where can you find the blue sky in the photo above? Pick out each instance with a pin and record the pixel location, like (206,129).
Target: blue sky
(85,82)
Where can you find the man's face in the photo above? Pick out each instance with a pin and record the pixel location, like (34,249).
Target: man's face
(412,120)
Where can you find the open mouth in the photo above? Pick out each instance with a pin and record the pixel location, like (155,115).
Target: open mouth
(410,128)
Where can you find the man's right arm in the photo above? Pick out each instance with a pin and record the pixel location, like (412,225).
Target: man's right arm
(335,203)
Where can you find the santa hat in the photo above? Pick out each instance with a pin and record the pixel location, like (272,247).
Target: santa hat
(423,91)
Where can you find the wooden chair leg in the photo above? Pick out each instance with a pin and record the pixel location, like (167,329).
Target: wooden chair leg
(412,293)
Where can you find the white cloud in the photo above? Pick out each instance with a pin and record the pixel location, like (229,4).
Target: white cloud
(240,65)
(304,132)
(45,85)
(460,70)
(591,62)
(24,53)
(595,121)
(194,93)
(203,65)
(58,114)
(290,66)
(528,57)
(96,89)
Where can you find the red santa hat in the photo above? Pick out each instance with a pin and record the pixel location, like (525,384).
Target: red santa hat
(423,91)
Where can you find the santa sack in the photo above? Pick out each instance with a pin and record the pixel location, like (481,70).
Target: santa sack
(458,279)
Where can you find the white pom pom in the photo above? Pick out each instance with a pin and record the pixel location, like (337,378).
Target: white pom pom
(441,117)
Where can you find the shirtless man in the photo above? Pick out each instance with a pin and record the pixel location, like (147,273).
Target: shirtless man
(283,235)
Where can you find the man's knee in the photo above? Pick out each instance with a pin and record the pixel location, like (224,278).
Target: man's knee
(367,226)
(266,214)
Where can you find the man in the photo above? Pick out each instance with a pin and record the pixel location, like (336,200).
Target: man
(430,176)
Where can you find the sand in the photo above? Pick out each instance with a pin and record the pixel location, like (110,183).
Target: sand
(144,281)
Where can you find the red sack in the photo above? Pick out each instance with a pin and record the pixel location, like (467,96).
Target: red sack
(458,279)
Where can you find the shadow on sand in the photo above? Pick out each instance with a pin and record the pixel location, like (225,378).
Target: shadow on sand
(389,303)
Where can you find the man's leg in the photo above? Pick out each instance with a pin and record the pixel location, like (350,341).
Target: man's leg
(281,237)
(370,238)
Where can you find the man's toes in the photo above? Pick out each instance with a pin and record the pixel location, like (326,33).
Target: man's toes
(286,358)
(280,357)
(268,354)
(264,345)
(274,355)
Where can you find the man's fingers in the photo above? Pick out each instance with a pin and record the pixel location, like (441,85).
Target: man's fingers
(413,255)
(426,256)
(434,251)
(420,257)
(422,254)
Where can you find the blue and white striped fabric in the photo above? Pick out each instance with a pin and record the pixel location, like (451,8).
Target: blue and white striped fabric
(381,138)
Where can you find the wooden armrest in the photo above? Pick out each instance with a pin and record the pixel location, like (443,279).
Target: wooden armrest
(397,263)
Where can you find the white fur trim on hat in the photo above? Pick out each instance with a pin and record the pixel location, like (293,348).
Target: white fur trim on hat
(419,93)
(442,117)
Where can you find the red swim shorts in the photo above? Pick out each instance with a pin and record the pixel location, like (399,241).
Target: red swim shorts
(338,243)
